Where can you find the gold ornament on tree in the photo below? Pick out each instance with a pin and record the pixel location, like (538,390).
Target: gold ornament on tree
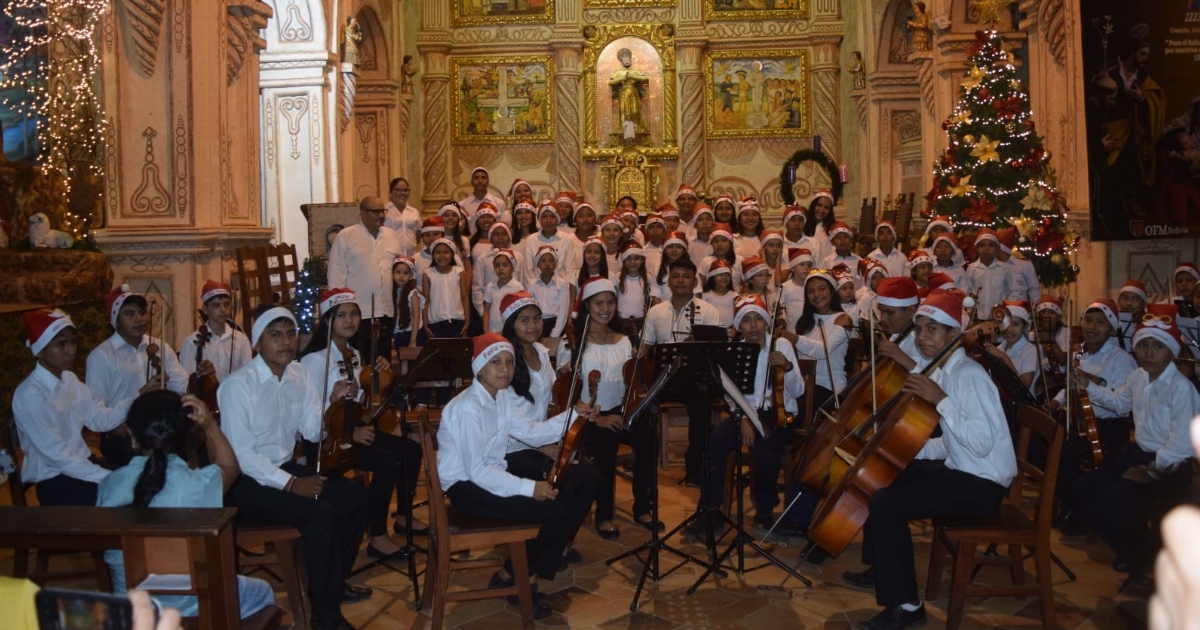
(990,11)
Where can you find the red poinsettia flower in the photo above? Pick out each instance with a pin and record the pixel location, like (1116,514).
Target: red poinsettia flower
(980,210)
(1047,239)
(966,243)
(1007,107)
(931,197)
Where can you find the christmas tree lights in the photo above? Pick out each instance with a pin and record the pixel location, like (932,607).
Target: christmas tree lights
(52,60)
(308,295)
(996,171)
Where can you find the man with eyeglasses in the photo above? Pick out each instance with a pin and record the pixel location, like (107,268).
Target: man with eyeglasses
(361,260)
(402,218)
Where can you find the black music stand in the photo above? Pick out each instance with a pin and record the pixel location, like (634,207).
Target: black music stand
(650,565)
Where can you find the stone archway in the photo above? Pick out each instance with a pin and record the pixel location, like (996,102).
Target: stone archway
(374,106)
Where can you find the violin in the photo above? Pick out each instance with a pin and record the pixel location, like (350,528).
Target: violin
(336,451)
(881,449)
(1082,412)
(153,360)
(204,387)
(782,417)
(572,442)
(636,372)
(377,383)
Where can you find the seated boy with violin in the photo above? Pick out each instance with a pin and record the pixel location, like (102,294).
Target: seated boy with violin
(1122,499)
(752,321)
(264,406)
(225,347)
(336,367)
(476,428)
(965,472)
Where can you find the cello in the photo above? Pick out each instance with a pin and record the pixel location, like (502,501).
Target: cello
(901,427)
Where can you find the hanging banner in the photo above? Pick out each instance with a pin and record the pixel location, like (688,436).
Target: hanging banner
(1141,62)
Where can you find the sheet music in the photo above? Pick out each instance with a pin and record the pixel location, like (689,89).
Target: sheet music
(731,391)
(1190,327)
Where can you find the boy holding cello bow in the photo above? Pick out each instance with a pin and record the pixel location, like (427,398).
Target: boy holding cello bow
(965,472)
(264,406)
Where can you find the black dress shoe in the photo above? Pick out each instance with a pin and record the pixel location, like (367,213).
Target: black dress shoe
(352,593)
(1072,525)
(817,556)
(861,579)
(611,533)
(649,525)
(541,602)
(896,618)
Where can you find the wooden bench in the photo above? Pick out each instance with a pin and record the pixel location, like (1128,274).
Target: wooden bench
(192,541)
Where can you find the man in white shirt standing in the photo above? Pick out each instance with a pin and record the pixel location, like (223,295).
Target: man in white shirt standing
(671,321)
(402,218)
(51,408)
(480,180)
(361,260)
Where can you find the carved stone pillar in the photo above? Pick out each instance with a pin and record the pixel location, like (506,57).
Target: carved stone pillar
(692,169)
(825,91)
(436,100)
(567,157)
(181,153)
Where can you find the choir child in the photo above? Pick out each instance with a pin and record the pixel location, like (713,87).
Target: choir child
(550,235)
(746,241)
(893,259)
(1026,285)
(1014,349)
(1131,300)
(943,259)
(718,291)
(551,290)
(800,262)
(409,305)
(896,304)
(920,265)
(821,217)
(505,264)
(987,277)
(447,288)
(841,239)
(701,229)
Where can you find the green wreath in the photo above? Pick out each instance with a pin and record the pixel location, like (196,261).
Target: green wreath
(808,155)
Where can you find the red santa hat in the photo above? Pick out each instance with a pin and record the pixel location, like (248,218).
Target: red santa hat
(794,211)
(1160,323)
(594,286)
(499,225)
(212,289)
(451,207)
(724,198)
(746,304)
(1050,303)
(266,319)
(824,192)
(512,190)
(869,266)
(116,298)
(939,280)
(585,204)
(612,218)
(753,266)
(333,296)
(840,227)
(675,238)
(401,259)
(514,302)
(631,248)
(547,208)
(943,307)
(918,256)
(1019,309)
(944,238)
(667,211)
(1136,287)
(938,221)
(986,234)
(42,325)
(842,278)
(897,292)
(1008,239)
(1188,268)
(525,204)
(507,253)
(884,225)
(1108,308)
(797,255)
(824,274)
(717,267)
(702,209)
(748,203)
(770,235)
(487,346)
(656,217)
(685,189)
(721,229)
(566,197)
(433,224)
(546,249)
(447,242)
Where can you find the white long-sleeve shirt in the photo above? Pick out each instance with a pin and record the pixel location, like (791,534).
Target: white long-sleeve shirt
(666,325)
(1025,283)
(316,372)
(363,263)
(563,243)
(975,437)
(896,262)
(1162,411)
(1110,363)
(990,283)
(851,262)
(474,437)
(541,387)
(227,353)
(406,223)
(554,298)
(811,346)
(470,205)
(1024,356)
(50,413)
(117,371)
(262,416)
(793,382)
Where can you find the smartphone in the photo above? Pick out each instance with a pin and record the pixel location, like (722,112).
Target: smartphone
(65,609)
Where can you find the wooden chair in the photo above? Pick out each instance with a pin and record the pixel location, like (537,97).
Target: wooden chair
(267,275)
(283,560)
(904,240)
(41,573)
(866,226)
(1013,526)
(449,532)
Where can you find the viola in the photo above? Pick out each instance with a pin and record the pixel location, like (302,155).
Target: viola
(782,417)
(1083,414)
(204,387)
(377,383)
(877,451)
(568,451)
(337,452)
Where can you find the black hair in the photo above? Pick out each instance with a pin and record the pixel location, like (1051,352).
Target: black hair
(404,314)
(665,266)
(396,180)
(686,264)
(709,285)
(158,421)
(522,381)
(583,269)
(519,232)
(616,324)
(810,226)
(809,317)
(732,210)
(631,199)
(320,337)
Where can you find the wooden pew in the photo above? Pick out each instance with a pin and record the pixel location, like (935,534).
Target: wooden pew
(193,541)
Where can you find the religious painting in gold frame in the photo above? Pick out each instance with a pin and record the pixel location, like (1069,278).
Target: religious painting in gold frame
(492,12)
(502,99)
(758,94)
(755,9)
(618,4)
(601,46)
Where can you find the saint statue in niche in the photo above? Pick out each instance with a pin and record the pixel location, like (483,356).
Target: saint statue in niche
(354,36)
(919,25)
(629,88)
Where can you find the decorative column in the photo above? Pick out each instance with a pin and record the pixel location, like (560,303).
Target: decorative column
(568,56)
(692,168)
(825,92)
(433,44)
(181,179)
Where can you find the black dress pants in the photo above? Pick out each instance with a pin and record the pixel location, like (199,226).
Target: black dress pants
(767,454)
(602,444)
(331,528)
(64,490)
(559,519)
(926,489)
(386,459)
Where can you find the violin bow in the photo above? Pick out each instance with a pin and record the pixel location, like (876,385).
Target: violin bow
(575,379)
(324,396)
(871,325)
(828,363)
(162,333)
(1070,378)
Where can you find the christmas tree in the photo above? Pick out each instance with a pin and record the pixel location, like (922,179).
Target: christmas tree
(995,172)
(308,294)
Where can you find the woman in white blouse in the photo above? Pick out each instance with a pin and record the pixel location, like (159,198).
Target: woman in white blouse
(821,335)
